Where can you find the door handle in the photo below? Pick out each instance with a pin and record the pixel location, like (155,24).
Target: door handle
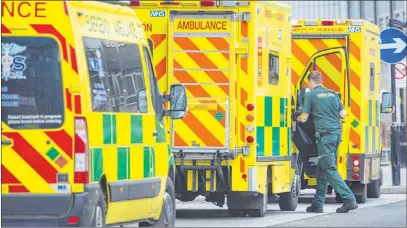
(155,134)
(6,142)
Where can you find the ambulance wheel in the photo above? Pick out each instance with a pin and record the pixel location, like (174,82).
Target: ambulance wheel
(237,212)
(99,213)
(168,211)
(261,212)
(289,200)
(373,189)
(362,197)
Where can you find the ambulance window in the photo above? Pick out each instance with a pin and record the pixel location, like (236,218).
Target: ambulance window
(151,45)
(273,68)
(155,92)
(372,74)
(116,75)
(31,83)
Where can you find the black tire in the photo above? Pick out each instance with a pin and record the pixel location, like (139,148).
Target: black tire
(99,213)
(261,212)
(237,212)
(338,198)
(168,211)
(361,198)
(373,189)
(289,200)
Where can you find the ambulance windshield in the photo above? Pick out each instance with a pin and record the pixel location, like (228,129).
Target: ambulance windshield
(31,83)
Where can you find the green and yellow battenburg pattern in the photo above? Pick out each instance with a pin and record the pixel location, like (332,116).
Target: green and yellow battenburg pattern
(273,133)
(126,149)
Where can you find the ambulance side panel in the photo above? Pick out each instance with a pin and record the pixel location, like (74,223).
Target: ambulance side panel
(273,93)
(369,101)
(123,150)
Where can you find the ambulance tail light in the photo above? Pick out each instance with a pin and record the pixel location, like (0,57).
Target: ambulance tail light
(170,2)
(249,139)
(81,151)
(134,2)
(327,23)
(250,107)
(205,3)
(341,22)
(356,163)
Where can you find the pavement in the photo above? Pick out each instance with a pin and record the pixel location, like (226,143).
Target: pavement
(387,187)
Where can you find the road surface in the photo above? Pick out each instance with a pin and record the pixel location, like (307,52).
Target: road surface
(388,215)
(379,212)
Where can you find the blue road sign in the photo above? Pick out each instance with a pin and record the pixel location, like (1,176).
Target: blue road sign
(393,44)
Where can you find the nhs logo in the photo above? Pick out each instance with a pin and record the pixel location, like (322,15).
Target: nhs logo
(157,13)
(354,29)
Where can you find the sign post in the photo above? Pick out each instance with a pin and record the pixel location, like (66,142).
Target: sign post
(393,45)
(401,74)
(393,49)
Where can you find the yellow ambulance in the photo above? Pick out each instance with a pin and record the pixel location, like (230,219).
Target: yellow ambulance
(84,141)
(233,57)
(347,54)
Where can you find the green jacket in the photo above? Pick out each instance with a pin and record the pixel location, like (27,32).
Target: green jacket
(324,105)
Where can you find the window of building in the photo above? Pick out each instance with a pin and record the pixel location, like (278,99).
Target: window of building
(372,77)
(116,75)
(273,65)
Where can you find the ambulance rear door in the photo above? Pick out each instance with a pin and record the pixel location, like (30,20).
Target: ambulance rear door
(201,47)
(327,54)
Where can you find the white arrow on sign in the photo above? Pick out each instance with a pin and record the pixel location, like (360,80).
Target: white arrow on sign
(399,45)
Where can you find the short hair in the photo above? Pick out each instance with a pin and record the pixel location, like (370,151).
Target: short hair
(315,76)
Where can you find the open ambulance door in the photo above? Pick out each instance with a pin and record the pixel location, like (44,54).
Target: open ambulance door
(304,133)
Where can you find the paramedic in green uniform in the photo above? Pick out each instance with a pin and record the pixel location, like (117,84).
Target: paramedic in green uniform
(327,110)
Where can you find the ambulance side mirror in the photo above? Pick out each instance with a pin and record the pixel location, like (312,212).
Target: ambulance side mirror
(178,102)
(387,103)
(151,46)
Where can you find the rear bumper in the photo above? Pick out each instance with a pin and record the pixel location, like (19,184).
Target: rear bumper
(29,210)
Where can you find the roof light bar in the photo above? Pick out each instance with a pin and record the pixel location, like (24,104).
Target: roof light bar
(356,23)
(342,22)
(308,23)
(327,23)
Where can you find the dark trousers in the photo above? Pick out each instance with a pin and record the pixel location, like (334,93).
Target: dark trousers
(327,172)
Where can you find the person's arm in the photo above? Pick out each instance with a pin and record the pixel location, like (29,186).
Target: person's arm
(306,110)
(303,117)
(342,114)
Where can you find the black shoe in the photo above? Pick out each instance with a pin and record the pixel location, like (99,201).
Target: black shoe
(347,206)
(314,209)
